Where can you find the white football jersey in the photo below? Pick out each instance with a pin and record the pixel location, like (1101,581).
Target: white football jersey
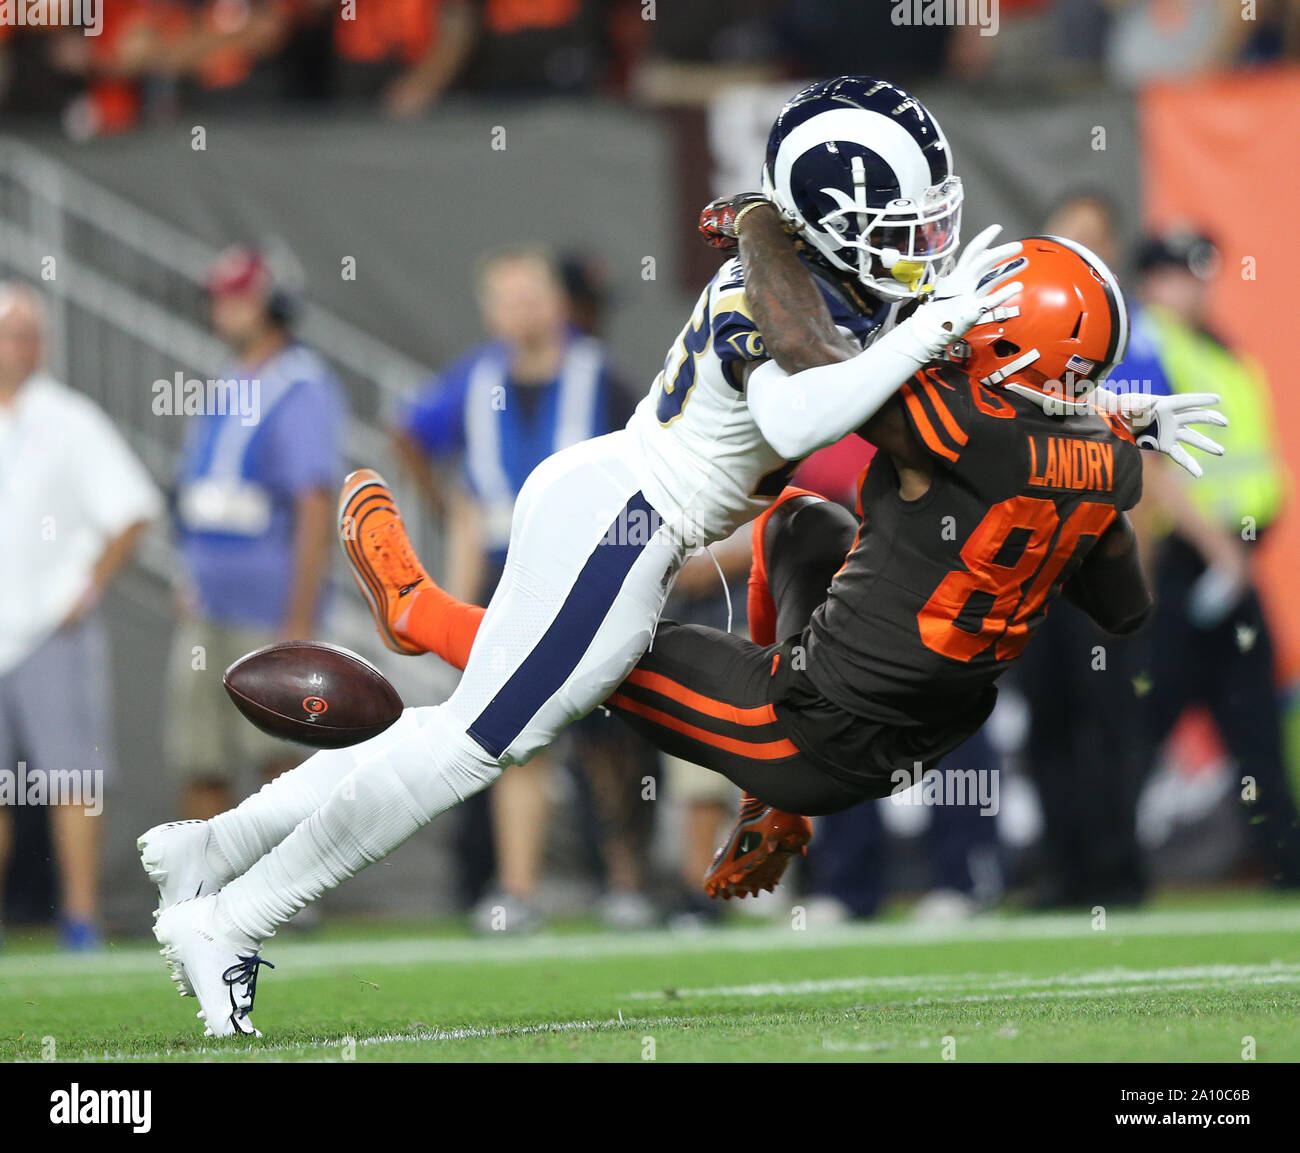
(708,463)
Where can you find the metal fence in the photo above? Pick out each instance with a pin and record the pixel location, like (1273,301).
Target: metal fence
(126,298)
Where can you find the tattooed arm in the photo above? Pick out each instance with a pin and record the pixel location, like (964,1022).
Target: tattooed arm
(799,334)
(784,299)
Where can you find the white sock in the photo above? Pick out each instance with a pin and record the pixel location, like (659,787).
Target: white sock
(241,836)
(397,790)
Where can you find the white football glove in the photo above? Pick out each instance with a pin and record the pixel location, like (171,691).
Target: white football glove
(1160,423)
(963,296)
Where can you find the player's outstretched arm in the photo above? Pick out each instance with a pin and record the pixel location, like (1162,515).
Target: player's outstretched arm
(783,297)
(801,412)
(1109,585)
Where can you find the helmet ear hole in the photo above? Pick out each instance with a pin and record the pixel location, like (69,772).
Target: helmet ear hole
(1004,347)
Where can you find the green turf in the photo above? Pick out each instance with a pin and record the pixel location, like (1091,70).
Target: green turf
(1187,981)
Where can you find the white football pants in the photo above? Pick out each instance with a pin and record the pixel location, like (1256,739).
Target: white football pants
(589,567)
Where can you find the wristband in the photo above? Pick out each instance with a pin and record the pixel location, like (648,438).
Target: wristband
(735,220)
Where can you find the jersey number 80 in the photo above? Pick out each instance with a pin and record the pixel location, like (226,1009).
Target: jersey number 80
(1006,620)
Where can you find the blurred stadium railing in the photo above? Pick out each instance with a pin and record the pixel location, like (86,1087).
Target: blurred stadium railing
(128,303)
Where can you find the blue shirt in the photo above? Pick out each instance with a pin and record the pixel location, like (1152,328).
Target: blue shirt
(1141,370)
(239,481)
(501,430)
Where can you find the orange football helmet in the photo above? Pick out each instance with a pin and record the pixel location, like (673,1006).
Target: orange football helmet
(1061,336)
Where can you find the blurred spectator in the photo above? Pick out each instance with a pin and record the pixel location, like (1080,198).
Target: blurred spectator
(724,31)
(1210,639)
(587,292)
(487,421)
(255,493)
(836,470)
(405,52)
(75,503)
(1087,217)
(213,54)
(223,52)
(848,859)
(1274,34)
(1082,32)
(528,47)
(847,37)
(1155,39)
(1019,49)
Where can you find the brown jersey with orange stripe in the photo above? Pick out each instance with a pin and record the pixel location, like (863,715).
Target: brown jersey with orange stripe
(939,595)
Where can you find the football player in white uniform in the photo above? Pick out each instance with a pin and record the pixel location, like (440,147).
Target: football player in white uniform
(863,172)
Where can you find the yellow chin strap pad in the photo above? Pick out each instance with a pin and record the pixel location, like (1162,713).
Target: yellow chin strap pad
(908,272)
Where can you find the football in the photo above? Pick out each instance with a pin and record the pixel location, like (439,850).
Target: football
(313,693)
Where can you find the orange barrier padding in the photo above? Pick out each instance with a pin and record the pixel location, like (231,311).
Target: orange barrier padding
(1220,153)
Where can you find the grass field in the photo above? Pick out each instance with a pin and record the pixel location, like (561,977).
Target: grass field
(1184,981)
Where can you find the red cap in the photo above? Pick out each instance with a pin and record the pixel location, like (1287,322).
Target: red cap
(238,270)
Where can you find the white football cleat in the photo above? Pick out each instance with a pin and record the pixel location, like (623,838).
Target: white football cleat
(173,854)
(206,964)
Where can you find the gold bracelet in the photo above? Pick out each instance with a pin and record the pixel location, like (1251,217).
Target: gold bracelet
(735,223)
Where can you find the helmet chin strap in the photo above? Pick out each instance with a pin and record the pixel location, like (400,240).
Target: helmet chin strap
(1051,404)
(1023,361)
(1054,404)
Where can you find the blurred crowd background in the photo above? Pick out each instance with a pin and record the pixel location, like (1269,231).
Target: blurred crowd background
(446,238)
(155,60)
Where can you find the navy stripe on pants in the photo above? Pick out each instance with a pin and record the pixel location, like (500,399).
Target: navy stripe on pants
(570,634)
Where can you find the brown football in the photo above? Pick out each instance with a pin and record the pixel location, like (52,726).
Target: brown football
(313,693)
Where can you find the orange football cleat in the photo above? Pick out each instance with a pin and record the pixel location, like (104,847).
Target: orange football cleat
(383,562)
(758,852)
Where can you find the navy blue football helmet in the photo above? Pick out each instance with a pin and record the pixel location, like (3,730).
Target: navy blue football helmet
(864,172)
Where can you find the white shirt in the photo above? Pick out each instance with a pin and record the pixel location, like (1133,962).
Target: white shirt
(68,485)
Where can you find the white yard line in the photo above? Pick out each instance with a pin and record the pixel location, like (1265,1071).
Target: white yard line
(1103,979)
(1074,994)
(419,1037)
(307,956)
(1084,986)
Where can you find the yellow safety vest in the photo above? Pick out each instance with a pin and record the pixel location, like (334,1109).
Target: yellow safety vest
(1249,480)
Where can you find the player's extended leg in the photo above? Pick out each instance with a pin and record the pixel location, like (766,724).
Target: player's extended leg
(413,615)
(798,545)
(706,696)
(589,565)
(188,859)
